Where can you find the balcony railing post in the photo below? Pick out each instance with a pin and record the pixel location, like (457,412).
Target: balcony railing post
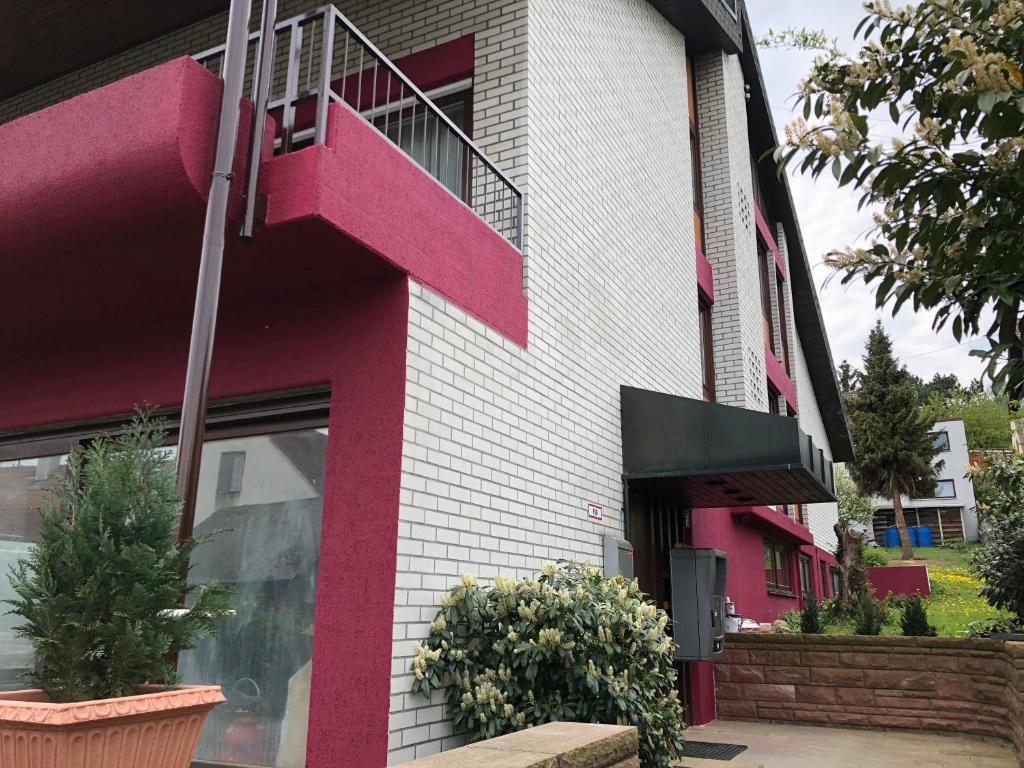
(204,320)
(260,95)
(520,210)
(323,100)
(291,88)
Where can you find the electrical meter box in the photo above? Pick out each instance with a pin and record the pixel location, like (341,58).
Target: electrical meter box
(698,603)
(618,557)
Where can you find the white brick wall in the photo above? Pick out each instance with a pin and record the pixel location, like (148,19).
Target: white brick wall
(730,235)
(505,446)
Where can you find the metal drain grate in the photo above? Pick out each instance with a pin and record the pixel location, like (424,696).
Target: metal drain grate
(710,750)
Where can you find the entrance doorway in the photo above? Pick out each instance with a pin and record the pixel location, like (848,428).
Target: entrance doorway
(654,525)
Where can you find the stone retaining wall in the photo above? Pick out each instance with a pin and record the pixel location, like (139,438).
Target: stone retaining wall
(555,745)
(939,684)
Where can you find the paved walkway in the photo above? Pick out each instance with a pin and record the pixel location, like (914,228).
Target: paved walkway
(802,746)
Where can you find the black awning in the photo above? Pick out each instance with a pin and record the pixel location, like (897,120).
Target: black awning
(710,455)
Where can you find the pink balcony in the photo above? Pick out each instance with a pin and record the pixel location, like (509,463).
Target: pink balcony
(102,197)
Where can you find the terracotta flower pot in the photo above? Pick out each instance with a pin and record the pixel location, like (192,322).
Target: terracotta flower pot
(156,729)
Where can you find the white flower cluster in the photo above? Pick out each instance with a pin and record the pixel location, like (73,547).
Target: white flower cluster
(424,658)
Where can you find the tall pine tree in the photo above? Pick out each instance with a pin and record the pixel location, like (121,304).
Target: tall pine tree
(894,448)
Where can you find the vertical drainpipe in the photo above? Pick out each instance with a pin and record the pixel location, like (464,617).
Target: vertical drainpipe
(204,320)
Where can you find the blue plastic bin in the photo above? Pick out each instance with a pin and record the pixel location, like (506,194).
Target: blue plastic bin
(892,536)
(924,536)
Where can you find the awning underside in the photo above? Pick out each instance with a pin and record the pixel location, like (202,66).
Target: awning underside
(709,455)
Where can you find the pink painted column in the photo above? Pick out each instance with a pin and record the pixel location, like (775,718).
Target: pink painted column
(351,679)
(702,693)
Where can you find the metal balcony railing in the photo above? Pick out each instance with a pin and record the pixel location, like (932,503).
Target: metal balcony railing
(320,57)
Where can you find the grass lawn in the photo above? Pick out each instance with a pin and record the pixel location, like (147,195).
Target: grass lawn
(954,602)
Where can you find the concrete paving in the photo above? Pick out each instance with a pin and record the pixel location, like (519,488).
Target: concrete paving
(773,745)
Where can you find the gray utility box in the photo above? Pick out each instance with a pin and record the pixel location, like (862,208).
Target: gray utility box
(618,557)
(698,603)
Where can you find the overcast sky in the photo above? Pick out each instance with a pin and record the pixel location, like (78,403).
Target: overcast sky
(828,216)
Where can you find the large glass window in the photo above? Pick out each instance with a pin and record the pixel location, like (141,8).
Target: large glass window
(940,440)
(25,487)
(261,489)
(265,494)
(806,587)
(945,489)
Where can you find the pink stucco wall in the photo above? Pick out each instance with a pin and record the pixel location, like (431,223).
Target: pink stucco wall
(376,197)
(745,546)
(352,338)
(741,533)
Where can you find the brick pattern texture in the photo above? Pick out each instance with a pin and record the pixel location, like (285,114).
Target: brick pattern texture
(730,238)
(506,446)
(973,686)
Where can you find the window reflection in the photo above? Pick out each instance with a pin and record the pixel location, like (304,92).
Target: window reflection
(265,493)
(25,487)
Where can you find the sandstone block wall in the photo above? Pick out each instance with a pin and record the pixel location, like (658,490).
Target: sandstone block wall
(555,745)
(939,684)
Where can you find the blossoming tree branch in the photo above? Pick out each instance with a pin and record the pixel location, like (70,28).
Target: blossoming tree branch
(949,193)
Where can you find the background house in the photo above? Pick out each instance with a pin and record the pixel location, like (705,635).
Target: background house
(950,512)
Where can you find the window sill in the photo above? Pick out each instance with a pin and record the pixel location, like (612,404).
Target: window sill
(781,593)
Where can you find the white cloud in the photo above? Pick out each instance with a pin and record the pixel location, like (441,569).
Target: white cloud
(829,217)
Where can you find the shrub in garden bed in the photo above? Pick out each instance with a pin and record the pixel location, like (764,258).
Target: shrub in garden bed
(869,615)
(1000,561)
(569,645)
(914,621)
(810,619)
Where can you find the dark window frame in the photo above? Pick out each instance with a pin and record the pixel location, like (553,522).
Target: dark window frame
(782,563)
(774,396)
(940,435)
(707,344)
(234,417)
(805,567)
(768,317)
(696,171)
(780,288)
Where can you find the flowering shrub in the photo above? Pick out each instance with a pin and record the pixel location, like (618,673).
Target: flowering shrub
(570,645)
(1000,561)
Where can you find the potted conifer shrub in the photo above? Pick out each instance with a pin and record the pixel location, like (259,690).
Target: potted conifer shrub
(100,596)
